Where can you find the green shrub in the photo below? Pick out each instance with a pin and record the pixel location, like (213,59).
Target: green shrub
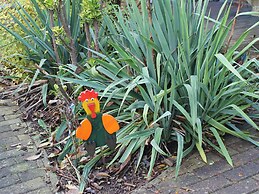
(168,81)
(13,52)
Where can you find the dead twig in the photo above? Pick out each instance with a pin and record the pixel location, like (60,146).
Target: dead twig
(234,24)
(77,171)
(68,177)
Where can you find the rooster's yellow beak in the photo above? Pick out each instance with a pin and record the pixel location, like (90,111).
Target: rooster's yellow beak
(91,107)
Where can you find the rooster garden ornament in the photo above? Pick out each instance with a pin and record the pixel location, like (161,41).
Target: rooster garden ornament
(96,129)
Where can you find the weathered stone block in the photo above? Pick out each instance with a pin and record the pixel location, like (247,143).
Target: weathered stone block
(10,133)
(242,146)
(23,137)
(9,180)
(9,140)
(31,174)
(5,129)
(187,179)
(242,172)
(13,116)
(6,110)
(244,186)
(4,172)
(24,187)
(229,139)
(7,102)
(245,157)
(7,162)
(20,168)
(11,153)
(193,162)
(18,126)
(209,185)
(45,190)
(212,170)
(10,122)
(1,118)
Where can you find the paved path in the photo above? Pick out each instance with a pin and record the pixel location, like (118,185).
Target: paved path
(215,177)
(243,23)
(18,175)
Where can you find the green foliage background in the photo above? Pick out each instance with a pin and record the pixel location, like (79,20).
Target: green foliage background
(13,53)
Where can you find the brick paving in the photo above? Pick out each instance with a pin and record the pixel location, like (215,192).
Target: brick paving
(217,176)
(243,23)
(18,175)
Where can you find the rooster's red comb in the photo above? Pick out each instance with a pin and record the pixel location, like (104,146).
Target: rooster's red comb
(87,94)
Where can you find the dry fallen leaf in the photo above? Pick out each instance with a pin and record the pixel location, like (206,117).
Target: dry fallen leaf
(70,186)
(129,184)
(170,161)
(15,145)
(64,163)
(84,160)
(43,145)
(101,175)
(97,186)
(51,102)
(34,157)
(124,164)
(52,155)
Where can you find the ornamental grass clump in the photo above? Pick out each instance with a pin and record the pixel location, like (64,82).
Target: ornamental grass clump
(168,80)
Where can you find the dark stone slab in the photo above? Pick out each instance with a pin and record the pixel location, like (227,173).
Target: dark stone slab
(9,180)
(24,187)
(242,172)
(243,146)
(187,179)
(44,190)
(229,140)
(5,128)
(10,122)
(4,172)
(31,174)
(209,185)
(11,153)
(212,170)
(244,186)
(9,140)
(245,157)
(7,162)
(10,133)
